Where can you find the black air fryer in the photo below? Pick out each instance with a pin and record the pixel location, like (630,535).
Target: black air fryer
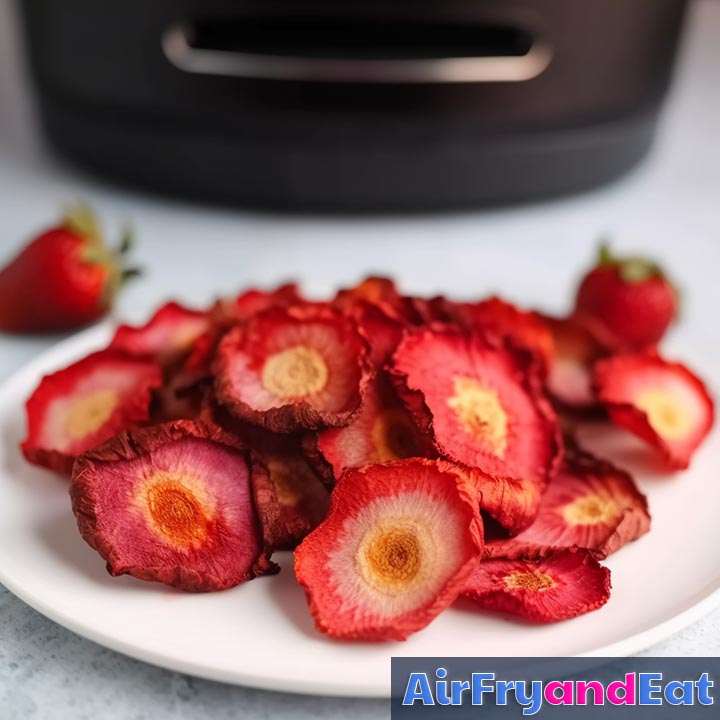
(354,105)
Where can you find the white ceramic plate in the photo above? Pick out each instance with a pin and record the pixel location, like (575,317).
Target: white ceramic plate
(261,634)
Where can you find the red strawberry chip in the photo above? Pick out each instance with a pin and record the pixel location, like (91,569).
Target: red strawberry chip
(382,431)
(381,332)
(481,402)
(563,585)
(434,310)
(400,542)
(569,381)
(223,315)
(662,402)
(83,405)
(498,317)
(169,333)
(293,369)
(172,503)
(251,302)
(590,504)
(378,291)
(199,360)
(513,503)
(290,498)
(180,397)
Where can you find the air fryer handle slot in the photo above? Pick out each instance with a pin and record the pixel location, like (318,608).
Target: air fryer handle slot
(332,53)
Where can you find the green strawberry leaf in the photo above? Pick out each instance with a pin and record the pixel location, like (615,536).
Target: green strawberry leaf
(80,219)
(632,269)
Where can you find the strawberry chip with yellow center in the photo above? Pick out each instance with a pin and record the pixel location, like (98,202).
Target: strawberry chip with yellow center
(661,402)
(172,503)
(88,402)
(560,586)
(400,542)
(482,403)
(293,369)
(589,504)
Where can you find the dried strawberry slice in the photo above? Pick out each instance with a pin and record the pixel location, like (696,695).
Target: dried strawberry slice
(172,503)
(290,498)
(434,310)
(400,542)
(226,313)
(169,333)
(253,301)
(83,405)
(382,431)
(590,504)
(563,585)
(188,375)
(662,402)
(378,291)
(222,316)
(199,360)
(500,318)
(512,502)
(292,369)
(382,332)
(569,381)
(180,397)
(482,403)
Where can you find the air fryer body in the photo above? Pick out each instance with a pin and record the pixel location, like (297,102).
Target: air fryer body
(346,105)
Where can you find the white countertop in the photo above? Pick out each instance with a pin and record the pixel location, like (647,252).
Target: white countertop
(669,207)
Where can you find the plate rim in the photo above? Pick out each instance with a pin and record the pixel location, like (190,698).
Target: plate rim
(95,336)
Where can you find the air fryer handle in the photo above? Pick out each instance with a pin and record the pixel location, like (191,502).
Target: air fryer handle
(485,69)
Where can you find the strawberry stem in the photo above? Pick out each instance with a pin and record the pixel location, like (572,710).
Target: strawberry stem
(605,256)
(81,220)
(631,269)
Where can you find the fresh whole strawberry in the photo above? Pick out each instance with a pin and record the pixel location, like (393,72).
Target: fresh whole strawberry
(627,303)
(64,279)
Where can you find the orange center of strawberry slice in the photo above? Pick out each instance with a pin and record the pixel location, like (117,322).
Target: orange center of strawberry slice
(390,555)
(295,373)
(666,414)
(393,436)
(89,413)
(481,413)
(590,510)
(532,580)
(176,508)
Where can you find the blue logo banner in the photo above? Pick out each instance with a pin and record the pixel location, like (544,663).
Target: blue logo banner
(551,688)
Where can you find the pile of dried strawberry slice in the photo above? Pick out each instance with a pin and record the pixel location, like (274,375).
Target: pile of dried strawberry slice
(409,451)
